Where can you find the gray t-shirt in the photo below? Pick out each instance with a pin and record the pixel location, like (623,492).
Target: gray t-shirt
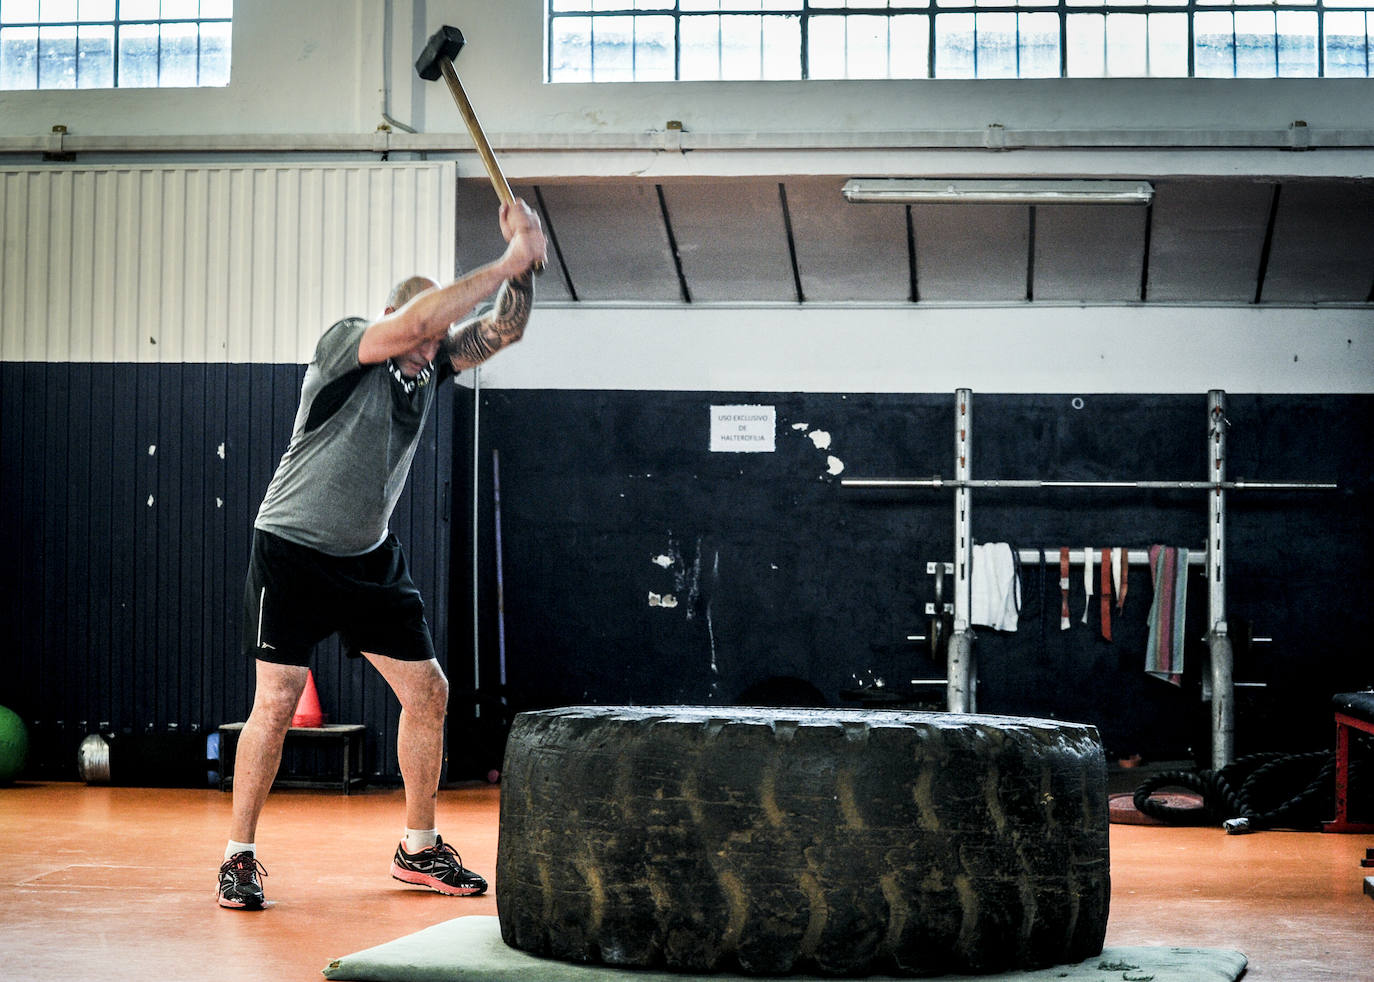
(355,435)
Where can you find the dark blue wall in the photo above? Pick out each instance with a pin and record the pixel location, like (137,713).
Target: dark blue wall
(123,615)
(781,571)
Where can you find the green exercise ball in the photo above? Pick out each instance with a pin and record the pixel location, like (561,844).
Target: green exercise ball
(14,745)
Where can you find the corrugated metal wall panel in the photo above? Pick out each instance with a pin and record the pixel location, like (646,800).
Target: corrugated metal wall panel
(153,322)
(209,264)
(129,493)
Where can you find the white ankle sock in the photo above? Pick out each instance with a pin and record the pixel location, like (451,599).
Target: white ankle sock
(418,839)
(233,848)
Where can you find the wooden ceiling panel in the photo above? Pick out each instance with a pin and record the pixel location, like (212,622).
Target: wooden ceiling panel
(846,252)
(732,239)
(974,253)
(1323,243)
(1088,253)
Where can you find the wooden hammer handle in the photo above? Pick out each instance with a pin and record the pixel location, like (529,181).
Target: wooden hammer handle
(498,180)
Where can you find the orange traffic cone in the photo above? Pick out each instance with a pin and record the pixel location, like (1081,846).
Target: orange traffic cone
(308,709)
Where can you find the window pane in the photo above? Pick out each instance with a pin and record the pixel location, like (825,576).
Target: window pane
(1086,36)
(1039,45)
(217,8)
(178,58)
(996,45)
(699,57)
(1126,48)
(826,48)
(910,46)
(137,56)
(56,11)
(19,12)
(954,46)
(89,10)
(19,58)
(1168,45)
(214,54)
(781,47)
(57,57)
(653,49)
(1214,48)
(613,54)
(1256,51)
(866,47)
(180,9)
(95,57)
(1345,45)
(571,57)
(1297,43)
(717,39)
(741,47)
(138,10)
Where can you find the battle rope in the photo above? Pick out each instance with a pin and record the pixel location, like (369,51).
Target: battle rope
(1262,791)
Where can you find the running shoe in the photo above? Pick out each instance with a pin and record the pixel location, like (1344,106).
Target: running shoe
(239,887)
(439,867)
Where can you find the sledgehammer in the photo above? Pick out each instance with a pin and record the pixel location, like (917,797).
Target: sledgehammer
(436,60)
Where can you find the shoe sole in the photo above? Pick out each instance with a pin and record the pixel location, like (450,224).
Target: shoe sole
(425,880)
(240,905)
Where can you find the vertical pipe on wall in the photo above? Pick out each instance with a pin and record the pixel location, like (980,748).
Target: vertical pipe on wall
(1218,643)
(961,694)
(476,620)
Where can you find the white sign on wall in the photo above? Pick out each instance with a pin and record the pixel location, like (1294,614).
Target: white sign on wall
(743,429)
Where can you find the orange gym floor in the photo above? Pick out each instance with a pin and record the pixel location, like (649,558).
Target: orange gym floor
(100,883)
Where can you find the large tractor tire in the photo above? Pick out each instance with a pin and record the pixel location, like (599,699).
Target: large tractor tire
(834,842)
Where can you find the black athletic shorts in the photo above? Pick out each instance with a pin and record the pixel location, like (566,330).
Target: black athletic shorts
(296,597)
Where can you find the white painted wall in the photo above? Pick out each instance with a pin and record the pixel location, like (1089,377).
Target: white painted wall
(311,67)
(906,349)
(309,75)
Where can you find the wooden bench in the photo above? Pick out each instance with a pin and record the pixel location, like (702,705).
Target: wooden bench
(348,736)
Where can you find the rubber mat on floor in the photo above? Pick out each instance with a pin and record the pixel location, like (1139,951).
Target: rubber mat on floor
(470,949)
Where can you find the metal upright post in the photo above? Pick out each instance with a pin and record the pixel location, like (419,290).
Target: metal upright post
(962,688)
(1218,640)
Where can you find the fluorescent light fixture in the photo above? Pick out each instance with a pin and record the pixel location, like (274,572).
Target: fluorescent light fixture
(894,190)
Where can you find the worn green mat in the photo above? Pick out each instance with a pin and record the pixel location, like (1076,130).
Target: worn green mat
(470,949)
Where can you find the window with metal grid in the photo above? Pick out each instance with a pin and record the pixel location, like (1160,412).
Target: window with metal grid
(104,44)
(689,40)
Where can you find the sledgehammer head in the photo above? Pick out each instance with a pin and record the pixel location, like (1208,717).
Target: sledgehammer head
(446,42)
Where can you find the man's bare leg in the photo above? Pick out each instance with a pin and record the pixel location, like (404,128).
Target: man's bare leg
(422,690)
(426,861)
(258,755)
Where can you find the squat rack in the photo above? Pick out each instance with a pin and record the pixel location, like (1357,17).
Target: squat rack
(961,676)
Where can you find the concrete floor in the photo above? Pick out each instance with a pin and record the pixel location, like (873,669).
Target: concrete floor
(101,883)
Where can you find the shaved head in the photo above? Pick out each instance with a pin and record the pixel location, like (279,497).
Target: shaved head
(406,290)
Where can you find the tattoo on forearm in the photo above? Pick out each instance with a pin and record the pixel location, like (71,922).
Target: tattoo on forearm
(477,340)
(513,305)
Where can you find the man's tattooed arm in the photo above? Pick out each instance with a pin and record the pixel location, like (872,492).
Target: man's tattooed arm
(474,341)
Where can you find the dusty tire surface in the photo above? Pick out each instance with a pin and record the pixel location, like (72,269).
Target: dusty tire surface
(835,842)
